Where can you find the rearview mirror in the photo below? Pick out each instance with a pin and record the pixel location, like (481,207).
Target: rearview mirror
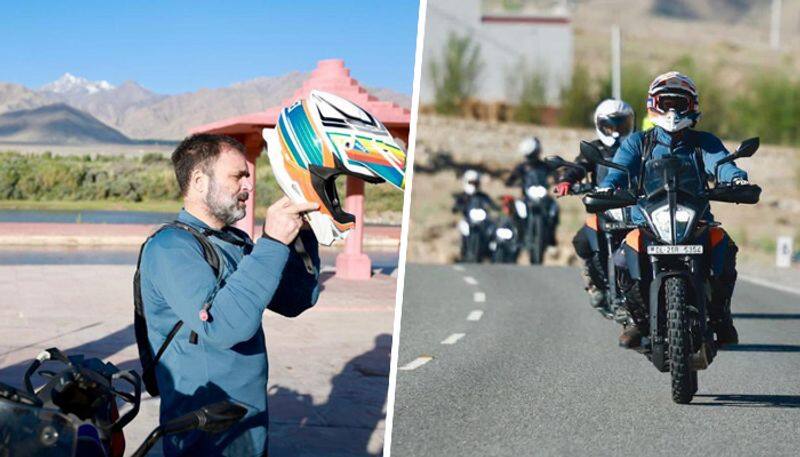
(212,418)
(556,161)
(591,152)
(747,148)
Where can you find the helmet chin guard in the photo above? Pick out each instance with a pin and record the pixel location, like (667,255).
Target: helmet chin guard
(320,138)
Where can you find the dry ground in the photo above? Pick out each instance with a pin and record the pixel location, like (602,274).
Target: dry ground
(734,43)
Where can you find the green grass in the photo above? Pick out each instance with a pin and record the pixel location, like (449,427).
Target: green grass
(164,206)
(45,182)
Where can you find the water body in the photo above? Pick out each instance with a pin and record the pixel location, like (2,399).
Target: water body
(92,255)
(98,217)
(87,217)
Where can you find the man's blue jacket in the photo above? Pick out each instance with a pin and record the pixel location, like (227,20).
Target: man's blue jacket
(631,151)
(229,360)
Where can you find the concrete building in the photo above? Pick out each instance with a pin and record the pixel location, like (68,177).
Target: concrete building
(512,34)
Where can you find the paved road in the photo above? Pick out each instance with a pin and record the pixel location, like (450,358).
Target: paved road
(539,373)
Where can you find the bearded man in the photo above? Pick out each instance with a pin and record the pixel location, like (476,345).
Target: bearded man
(219,352)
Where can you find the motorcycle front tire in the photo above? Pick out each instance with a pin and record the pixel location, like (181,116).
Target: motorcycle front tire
(684,378)
(538,241)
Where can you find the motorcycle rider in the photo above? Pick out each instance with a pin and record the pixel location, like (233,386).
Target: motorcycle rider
(505,221)
(614,121)
(673,107)
(534,172)
(471,197)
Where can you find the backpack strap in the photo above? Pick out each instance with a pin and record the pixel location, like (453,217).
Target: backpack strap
(648,145)
(698,159)
(212,258)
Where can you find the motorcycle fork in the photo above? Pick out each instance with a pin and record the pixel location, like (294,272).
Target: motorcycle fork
(611,275)
(692,271)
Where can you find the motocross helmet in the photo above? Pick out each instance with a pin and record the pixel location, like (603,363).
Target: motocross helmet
(530,148)
(471,180)
(613,121)
(672,102)
(324,136)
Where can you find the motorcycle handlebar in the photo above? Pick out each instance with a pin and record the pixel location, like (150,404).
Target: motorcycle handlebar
(581,188)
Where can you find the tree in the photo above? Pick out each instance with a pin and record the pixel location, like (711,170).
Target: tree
(527,91)
(455,77)
(578,100)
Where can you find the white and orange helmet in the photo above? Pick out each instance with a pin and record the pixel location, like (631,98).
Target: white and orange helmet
(672,102)
(324,136)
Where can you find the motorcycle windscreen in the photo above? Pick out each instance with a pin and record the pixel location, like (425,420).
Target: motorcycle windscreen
(659,172)
(34,432)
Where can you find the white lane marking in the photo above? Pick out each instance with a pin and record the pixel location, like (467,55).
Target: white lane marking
(416,363)
(475,316)
(479,297)
(770,284)
(470,280)
(458,267)
(452,339)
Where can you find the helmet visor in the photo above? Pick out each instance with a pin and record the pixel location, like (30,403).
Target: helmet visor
(615,126)
(680,103)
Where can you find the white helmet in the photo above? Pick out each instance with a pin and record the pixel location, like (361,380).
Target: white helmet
(672,102)
(471,181)
(530,146)
(613,121)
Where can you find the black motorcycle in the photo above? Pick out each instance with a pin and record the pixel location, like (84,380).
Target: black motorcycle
(476,231)
(535,214)
(505,243)
(75,413)
(669,258)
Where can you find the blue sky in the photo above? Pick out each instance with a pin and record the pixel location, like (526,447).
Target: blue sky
(180,46)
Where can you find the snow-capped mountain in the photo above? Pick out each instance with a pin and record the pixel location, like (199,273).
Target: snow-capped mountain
(71,84)
(140,113)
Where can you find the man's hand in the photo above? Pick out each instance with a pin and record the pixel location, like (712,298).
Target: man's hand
(562,189)
(285,219)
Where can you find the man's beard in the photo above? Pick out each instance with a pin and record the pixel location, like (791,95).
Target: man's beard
(225,207)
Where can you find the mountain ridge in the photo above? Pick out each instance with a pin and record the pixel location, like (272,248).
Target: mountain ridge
(58,123)
(141,114)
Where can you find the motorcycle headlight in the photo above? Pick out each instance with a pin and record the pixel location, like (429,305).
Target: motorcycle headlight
(614,214)
(522,210)
(536,192)
(504,233)
(477,215)
(663,225)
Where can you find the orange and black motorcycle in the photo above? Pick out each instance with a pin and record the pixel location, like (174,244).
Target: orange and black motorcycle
(673,257)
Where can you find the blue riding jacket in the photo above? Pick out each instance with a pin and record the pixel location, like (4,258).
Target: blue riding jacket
(632,148)
(229,359)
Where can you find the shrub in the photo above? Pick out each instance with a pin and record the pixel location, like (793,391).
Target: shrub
(578,99)
(455,77)
(528,89)
(769,108)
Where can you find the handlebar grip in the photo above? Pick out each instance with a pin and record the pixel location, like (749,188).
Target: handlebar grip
(47,354)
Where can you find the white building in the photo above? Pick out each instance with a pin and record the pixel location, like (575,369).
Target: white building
(512,34)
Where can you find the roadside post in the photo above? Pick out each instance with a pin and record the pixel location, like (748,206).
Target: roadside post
(784,250)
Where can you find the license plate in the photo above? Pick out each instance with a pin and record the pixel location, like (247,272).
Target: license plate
(675,250)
